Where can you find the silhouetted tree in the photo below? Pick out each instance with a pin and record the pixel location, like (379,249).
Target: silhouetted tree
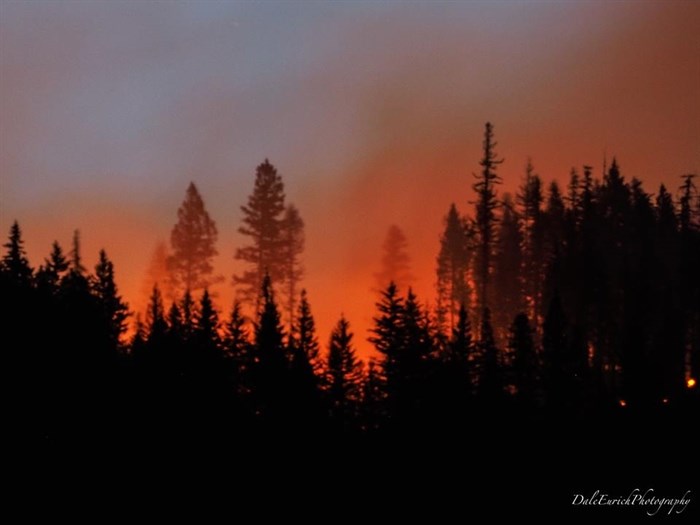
(485,221)
(344,376)
(396,263)
(15,264)
(193,243)
(373,408)
(262,223)
(305,366)
(452,267)
(507,269)
(530,199)
(292,246)
(524,360)
(388,332)
(270,365)
(114,310)
(238,347)
(303,336)
(52,271)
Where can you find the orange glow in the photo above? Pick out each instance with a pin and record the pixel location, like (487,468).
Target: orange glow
(691,383)
(623,403)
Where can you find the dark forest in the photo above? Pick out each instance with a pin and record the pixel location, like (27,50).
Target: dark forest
(578,305)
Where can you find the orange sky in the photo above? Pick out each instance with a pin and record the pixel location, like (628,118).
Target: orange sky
(373,115)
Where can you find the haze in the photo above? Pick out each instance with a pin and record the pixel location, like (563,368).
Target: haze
(373,113)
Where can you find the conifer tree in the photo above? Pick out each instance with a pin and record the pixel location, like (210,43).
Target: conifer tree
(262,224)
(193,244)
(452,267)
(485,222)
(344,375)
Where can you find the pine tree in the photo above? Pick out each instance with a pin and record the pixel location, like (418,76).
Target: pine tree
(292,241)
(372,409)
(53,269)
(460,348)
(270,365)
(114,310)
(15,264)
(157,326)
(524,359)
(507,269)
(396,263)
(238,348)
(262,223)
(388,331)
(530,199)
(344,375)
(452,266)
(193,240)
(206,326)
(485,223)
(188,311)
(303,337)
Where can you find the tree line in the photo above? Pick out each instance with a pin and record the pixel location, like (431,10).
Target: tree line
(548,305)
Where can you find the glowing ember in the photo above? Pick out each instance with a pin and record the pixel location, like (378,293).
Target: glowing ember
(691,383)
(623,403)
(665,401)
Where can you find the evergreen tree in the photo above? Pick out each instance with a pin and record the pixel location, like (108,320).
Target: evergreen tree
(530,199)
(452,266)
(262,223)
(485,223)
(524,360)
(344,375)
(396,263)
(507,269)
(238,348)
(15,264)
(53,269)
(114,310)
(303,337)
(157,326)
(193,240)
(270,365)
(292,240)
(372,409)
(388,332)
(206,326)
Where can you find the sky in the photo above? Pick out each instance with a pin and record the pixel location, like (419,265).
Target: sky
(373,112)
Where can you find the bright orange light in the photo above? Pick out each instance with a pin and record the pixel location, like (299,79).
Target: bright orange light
(691,383)
(623,403)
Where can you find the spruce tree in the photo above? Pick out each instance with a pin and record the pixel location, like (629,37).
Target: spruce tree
(485,222)
(114,310)
(344,375)
(523,360)
(15,264)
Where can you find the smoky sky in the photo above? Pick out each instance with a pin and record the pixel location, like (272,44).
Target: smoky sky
(373,113)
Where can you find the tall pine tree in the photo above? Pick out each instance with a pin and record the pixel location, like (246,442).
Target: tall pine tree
(262,223)
(193,243)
